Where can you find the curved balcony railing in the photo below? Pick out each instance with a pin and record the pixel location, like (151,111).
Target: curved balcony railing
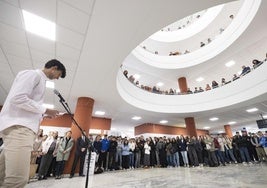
(223,41)
(246,88)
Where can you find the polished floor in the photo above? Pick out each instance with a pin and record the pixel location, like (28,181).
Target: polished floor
(236,176)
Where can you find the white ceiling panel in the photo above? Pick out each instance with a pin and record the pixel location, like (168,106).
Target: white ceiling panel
(13,2)
(45,9)
(10,14)
(70,38)
(15,49)
(12,34)
(41,44)
(84,5)
(72,18)
(18,63)
(40,57)
(67,52)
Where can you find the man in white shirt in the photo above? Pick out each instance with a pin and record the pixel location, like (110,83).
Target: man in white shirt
(19,121)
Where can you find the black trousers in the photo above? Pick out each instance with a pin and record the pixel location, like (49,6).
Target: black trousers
(77,157)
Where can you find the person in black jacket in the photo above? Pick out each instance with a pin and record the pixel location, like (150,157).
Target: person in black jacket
(81,149)
(243,143)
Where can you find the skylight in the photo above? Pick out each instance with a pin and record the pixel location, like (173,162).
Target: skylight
(39,26)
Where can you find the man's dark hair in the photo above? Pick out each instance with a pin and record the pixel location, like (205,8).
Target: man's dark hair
(58,64)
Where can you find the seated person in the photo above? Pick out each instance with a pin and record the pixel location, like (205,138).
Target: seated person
(256,63)
(125,73)
(174,53)
(235,77)
(137,83)
(131,79)
(196,90)
(245,70)
(200,89)
(214,84)
(171,92)
(189,91)
(224,82)
(208,87)
(202,44)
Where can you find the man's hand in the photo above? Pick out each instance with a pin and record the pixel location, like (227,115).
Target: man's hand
(51,113)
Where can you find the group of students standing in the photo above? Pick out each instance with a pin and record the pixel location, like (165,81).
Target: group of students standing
(122,153)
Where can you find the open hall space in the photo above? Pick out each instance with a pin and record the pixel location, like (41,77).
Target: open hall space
(230,176)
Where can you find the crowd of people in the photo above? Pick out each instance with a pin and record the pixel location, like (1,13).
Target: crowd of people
(245,70)
(186,51)
(117,153)
(217,150)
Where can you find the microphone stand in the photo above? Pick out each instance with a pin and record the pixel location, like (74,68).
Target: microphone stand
(90,145)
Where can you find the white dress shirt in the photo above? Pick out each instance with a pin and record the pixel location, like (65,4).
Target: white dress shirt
(23,105)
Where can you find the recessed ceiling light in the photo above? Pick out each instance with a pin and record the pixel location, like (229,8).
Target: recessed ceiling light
(101,113)
(163,121)
(206,127)
(214,119)
(50,106)
(231,122)
(136,76)
(39,26)
(264,116)
(200,79)
(136,118)
(230,63)
(50,84)
(252,110)
(159,84)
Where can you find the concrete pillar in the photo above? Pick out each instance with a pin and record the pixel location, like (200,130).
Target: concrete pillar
(190,126)
(182,84)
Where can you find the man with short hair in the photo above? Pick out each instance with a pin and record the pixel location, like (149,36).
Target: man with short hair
(19,121)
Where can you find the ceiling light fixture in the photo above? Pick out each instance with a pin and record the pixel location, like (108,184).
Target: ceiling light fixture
(206,127)
(39,26)
(136,76)
(214,119)
(231,122)
(252,110)
(159,84)
(163,121)
(230,63)
(136,118)
(200,79)
(101,113)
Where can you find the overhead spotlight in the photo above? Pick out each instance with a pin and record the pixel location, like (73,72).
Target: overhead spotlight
(163,121)
(136,118)
(101,113)
(214,119)
(252,110)
(230,63)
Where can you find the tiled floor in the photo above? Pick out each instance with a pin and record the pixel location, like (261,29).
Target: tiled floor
(240,175)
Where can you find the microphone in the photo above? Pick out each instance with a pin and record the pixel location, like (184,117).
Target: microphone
(59,95)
